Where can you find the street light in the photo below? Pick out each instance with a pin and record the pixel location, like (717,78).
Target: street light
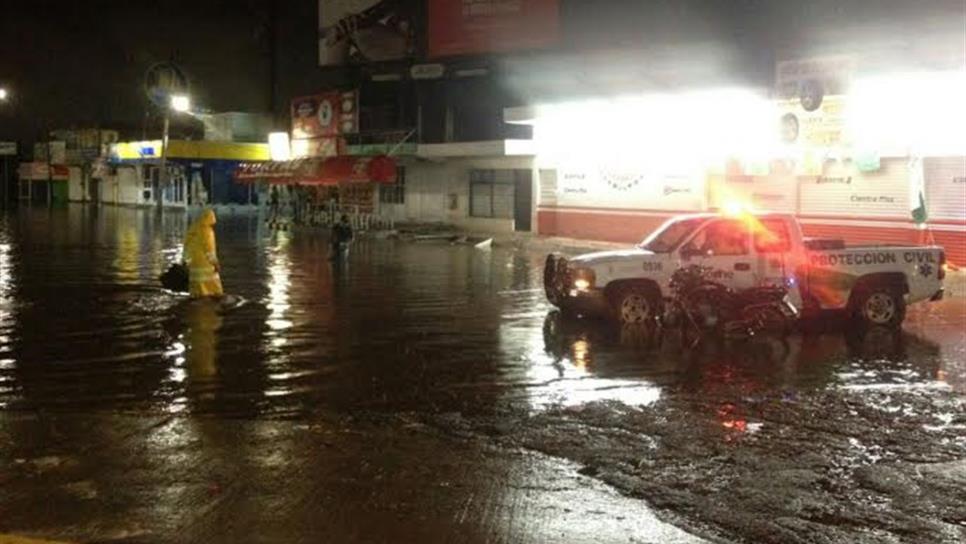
(3,94)
(180,103)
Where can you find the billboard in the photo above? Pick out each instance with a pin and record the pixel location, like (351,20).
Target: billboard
(360,31)
(326,114)
(809,80)
(464,27)
(822,127)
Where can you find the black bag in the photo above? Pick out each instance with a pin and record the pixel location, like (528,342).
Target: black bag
(175,278)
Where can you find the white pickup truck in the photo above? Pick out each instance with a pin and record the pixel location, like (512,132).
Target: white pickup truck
(873,282)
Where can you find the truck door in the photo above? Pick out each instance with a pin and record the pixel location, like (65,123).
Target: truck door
(772,243)
(724,245)
(773,246)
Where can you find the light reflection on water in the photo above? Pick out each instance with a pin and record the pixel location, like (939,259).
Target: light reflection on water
(401,326)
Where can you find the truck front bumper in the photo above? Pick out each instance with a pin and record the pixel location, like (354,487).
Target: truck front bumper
(591,302)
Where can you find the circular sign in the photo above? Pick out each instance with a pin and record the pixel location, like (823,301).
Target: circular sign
(162,81)
(811,95)
(326,113)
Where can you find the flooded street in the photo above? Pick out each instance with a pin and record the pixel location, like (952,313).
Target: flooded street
(427,392)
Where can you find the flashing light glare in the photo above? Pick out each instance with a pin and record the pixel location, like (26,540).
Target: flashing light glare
(734,208)
(279,146)
(926,112)
(180,103)
(701,128)
(3,94)
(582,284)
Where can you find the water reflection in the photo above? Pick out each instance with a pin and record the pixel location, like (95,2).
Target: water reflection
(873,357)
(277,300)
(203,321)
(434,327)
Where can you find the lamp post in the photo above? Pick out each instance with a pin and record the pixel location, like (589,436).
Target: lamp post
(179,103)
(4,94)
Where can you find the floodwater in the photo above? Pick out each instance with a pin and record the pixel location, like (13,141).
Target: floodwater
(427,392)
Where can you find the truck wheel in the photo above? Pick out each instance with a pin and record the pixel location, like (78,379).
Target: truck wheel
(880,306)
(554,276)
(635,304)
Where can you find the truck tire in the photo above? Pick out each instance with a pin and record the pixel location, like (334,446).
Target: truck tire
(880,306)
(635,304)
(554,277)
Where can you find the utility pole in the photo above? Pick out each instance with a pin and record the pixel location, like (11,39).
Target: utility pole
(163,173)
(166,86)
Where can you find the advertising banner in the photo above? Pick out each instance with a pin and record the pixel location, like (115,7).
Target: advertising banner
(602,187)
(316,147)
(464,27)
(325,115)
(360,31)
(822,127)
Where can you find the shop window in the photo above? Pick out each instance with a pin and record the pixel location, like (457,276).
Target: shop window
(771,236)
(491,193)
(394,193)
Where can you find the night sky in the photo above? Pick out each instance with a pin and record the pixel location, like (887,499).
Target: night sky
(81,63)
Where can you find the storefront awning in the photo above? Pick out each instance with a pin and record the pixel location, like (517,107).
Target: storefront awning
(316,171)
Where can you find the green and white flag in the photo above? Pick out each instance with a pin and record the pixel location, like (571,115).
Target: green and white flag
(917,191)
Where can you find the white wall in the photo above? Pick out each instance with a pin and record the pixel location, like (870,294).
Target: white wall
(75,184)
(431,186)
(124,187)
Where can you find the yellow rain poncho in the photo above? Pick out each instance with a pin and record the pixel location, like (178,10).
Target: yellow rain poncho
(201,257)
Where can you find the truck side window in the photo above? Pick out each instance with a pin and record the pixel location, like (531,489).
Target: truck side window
(724,237)
(771,236)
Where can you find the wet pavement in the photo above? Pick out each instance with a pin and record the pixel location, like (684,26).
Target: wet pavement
(427,392)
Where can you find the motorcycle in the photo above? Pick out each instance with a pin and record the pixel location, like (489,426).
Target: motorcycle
(707,306)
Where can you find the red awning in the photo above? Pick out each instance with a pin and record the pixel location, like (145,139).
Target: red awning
(315,171)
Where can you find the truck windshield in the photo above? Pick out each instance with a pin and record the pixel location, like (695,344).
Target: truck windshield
(671,235)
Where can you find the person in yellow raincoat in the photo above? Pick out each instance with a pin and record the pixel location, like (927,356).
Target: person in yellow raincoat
(201,257)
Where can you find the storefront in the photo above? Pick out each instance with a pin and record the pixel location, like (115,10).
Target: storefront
(199,173)
(342,184)
(844,167)
(43,183)
(486,186)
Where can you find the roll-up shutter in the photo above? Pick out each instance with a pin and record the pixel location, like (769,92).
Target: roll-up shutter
(945,188)
(844,191)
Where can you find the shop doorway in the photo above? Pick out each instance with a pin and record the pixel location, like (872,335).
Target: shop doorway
(522,200)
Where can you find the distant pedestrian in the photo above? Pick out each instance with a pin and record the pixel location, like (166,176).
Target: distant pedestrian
(295,200)
(341,237)
(273,204)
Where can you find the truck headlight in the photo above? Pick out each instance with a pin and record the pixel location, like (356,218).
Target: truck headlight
(583,278)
